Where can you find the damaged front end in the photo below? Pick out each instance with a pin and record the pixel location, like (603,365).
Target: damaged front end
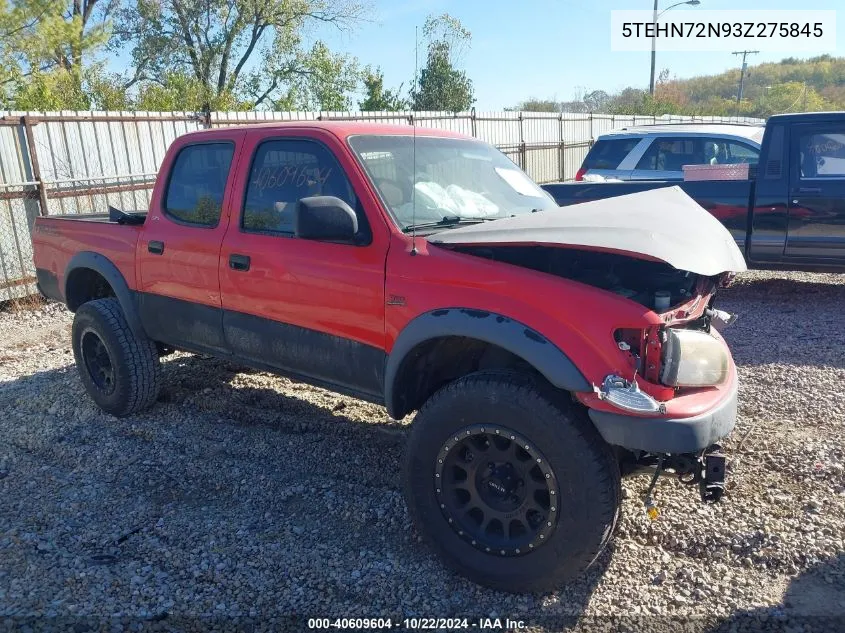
(680,357)
(668,392)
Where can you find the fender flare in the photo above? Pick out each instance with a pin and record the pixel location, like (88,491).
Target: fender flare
(105,267)
(489,327)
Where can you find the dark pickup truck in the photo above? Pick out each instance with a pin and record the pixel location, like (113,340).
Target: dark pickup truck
(790,214)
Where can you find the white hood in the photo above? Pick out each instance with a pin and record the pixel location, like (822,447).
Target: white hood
(664,224)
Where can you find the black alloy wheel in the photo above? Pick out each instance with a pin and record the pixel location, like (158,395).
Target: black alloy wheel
(496,490)
(97,361)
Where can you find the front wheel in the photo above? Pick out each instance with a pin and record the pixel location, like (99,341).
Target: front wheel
(119,370)
(513,489)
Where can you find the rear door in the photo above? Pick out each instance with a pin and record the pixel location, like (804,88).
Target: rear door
(817,192)
(666,156)
(607,155)
(180,246)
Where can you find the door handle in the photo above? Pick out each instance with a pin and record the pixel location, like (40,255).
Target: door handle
(809,190)
(155,247)
(238,262)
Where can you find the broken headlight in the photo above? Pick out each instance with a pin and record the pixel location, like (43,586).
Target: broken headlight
(693,359)
(627,396)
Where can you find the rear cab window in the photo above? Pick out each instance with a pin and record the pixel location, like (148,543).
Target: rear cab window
(822,154)
(197,183)
(609,153)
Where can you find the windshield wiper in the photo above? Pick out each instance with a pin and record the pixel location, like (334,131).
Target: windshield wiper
(447,221)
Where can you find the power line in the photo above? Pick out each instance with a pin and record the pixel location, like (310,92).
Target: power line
(744,54)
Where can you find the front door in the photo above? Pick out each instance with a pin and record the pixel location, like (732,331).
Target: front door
(179,248)
(311,309)
(817,193)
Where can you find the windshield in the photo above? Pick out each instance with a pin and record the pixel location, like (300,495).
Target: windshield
(452,179)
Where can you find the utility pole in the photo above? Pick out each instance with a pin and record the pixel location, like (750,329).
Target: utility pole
(744,54)
(655,18)
(653,50)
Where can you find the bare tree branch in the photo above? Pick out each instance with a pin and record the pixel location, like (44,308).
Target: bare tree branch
(257,32)
(186,36)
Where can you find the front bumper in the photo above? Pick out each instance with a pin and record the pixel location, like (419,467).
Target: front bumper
(669,435)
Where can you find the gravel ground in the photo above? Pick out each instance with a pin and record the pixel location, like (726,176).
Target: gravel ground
(244,495)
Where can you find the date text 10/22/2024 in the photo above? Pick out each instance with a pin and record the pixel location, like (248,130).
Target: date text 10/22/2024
(417,624)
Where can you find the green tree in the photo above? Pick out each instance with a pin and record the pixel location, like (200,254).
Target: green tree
(107,91)
(440,85)
(53,90)
(326,80)
(249,48)
(48,45)
(789,97)
(377,98)
(597,101)
(533,104)
(180,91)
(628,101)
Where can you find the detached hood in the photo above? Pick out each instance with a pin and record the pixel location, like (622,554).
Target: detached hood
(664,224)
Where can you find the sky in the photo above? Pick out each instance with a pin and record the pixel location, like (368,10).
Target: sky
(545,48)
(548,49)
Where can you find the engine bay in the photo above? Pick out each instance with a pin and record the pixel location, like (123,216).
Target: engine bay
(654,284)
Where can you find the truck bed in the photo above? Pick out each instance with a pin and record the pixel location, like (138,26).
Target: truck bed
(57,239)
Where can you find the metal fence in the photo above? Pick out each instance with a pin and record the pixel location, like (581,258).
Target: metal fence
(80,162)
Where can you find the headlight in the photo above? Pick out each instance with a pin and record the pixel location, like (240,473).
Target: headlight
(627,396)
(693,359)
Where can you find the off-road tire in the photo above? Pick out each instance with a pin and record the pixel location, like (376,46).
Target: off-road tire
(583,464)
(136,368)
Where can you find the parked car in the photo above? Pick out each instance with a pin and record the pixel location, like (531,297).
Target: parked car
(659,152)
(789,214)
(426,273)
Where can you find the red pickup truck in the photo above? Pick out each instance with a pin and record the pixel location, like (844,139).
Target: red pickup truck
(545,350)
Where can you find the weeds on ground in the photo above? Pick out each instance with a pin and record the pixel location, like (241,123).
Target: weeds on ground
(23,304)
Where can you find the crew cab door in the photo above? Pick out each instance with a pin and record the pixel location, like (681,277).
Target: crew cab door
(817,192)
(179,249)
(308,308)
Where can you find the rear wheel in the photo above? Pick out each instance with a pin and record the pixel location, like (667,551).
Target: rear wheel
(515,490)
(119,370)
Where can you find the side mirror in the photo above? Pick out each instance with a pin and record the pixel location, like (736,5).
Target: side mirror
(325,218)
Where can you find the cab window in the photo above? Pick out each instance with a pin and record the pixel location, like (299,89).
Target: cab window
(197,183)
(282,173)
(822,155)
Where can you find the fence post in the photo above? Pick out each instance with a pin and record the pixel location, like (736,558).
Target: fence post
(472,123)
(521,144)
(36,168)
(562,148)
